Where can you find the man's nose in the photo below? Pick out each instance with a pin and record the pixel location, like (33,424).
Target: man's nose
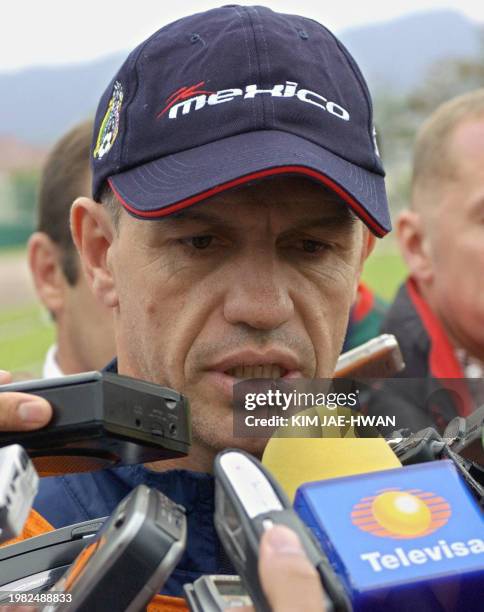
(259,296)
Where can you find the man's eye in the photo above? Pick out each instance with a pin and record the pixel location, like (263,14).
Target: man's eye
(313,246)
(200,242)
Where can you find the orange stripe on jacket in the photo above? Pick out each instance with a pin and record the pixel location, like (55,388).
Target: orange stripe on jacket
(164,603)
(34,525)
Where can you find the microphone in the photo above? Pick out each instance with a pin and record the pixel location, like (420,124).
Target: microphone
(400,539)
(296,461)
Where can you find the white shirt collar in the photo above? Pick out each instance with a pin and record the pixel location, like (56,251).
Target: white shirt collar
(472,367)
(51,368)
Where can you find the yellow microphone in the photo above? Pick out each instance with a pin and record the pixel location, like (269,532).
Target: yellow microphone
(295,461)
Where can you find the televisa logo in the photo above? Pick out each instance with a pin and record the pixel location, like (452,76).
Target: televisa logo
(408,514)
(195,97)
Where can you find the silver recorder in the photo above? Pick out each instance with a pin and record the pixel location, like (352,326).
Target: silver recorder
(18,487)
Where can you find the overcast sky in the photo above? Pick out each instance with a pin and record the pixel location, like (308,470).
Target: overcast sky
(40,32)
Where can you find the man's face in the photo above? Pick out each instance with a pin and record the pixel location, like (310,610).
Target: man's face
(256,282)
(456,240)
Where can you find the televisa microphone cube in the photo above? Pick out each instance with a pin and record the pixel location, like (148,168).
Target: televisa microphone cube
(401,539)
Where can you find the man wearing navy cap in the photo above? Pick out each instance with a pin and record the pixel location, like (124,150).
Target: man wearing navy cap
(237,193)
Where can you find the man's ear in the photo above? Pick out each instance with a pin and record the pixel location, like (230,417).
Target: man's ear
(44,258)
(413,243)
(93,234)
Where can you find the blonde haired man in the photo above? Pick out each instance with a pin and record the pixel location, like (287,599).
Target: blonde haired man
(438,314)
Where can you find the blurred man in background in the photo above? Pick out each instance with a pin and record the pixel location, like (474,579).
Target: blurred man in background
(438,314)
(84,330)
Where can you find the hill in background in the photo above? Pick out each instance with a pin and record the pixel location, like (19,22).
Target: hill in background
(396,55)
(39,104)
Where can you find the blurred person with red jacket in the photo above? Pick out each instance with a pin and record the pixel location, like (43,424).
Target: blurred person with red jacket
(366,317)
(438,313)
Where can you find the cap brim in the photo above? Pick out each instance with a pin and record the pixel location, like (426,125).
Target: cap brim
(174,182)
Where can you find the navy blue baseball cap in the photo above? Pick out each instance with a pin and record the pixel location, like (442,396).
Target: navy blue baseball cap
(233,95)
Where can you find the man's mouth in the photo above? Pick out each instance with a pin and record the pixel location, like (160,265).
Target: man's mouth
(265,370)
(249,364)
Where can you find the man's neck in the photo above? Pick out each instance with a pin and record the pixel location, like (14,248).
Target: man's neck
(200,459)
(65,355)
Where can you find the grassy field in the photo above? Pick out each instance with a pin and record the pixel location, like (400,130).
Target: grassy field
(384,272)
(25,335)
(26,331)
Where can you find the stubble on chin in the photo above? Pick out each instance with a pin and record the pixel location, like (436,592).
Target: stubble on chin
(215,431)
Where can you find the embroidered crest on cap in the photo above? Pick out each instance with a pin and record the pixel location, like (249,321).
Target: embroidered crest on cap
(110,123)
